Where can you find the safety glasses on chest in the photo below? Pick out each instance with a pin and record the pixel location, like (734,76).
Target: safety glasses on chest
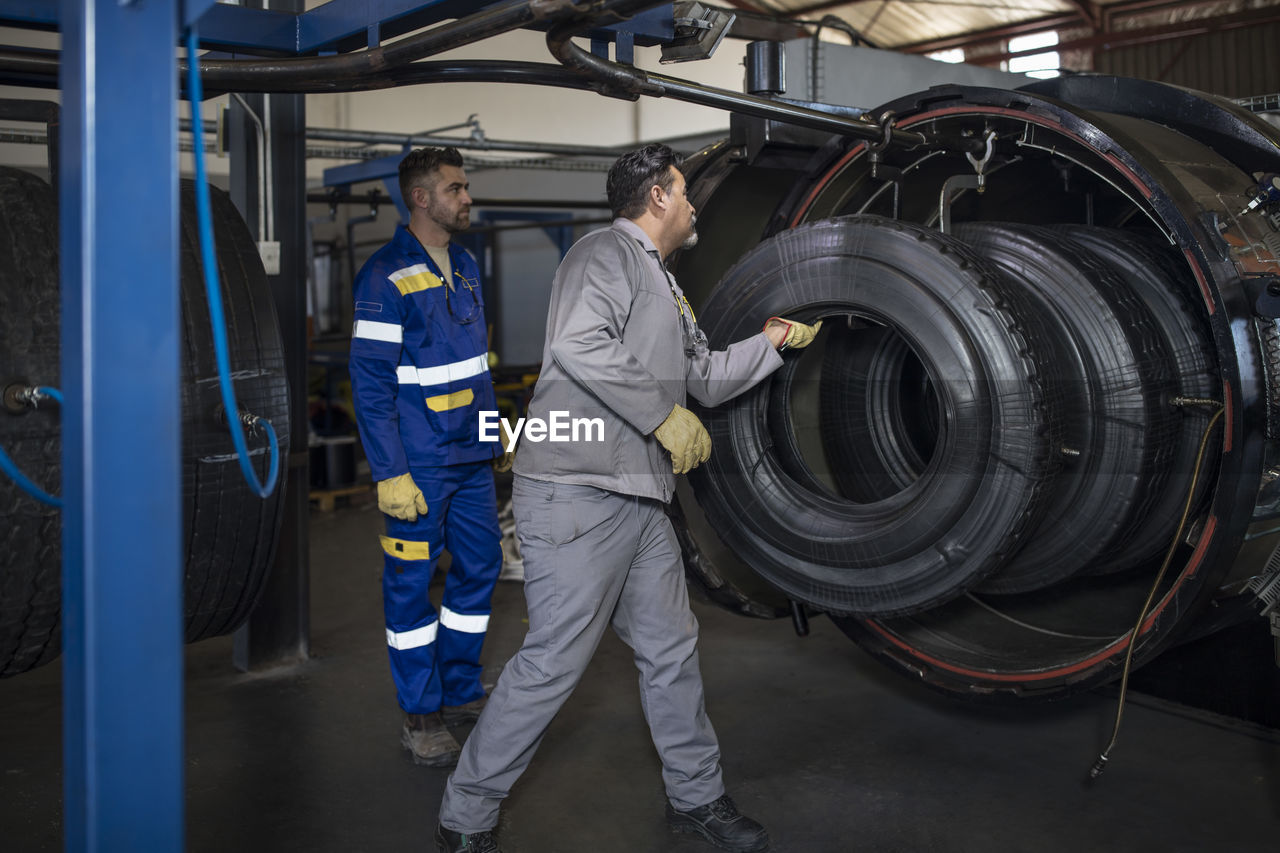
(463,308)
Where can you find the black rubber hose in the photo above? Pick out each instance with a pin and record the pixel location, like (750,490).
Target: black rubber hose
(624,81)
(376,68)
(328,73)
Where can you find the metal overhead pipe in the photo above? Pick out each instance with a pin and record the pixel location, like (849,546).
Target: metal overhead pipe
(377,68)
(486,71)
(335,197)
(46,112)
(25,69)
(379,138)
(550,223)
(327,73)
(37,67)
(624,81)
(333,134)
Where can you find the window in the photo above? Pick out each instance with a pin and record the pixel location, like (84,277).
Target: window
(955,54)
(1034,64)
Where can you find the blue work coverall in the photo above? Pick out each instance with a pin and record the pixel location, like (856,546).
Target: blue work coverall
(420,377)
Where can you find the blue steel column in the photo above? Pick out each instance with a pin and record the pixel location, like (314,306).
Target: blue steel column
(122,526)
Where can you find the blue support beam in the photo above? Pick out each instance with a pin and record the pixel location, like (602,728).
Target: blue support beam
(385,169)
(337,20)
(220,24)
(650,27)
(121,430)
(194,10)
(236,26)
(364,170)
(330,24)
(560,235)
(42,13)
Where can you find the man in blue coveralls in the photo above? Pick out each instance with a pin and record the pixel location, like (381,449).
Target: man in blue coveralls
(420,377)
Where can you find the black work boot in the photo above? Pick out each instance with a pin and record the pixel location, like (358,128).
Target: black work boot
(720,823)
(429,741)
(448,841)
(456,715)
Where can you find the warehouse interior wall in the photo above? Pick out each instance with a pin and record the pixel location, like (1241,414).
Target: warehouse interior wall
(536,113)
(1236,63)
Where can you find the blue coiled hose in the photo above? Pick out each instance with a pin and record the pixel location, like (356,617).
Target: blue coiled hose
(213,289)
(7,465)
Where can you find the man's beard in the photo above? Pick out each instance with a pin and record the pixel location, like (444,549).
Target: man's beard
(460,222)
(692,239)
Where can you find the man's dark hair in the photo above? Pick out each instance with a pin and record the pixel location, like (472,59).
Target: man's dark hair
(633,173)
(417,166)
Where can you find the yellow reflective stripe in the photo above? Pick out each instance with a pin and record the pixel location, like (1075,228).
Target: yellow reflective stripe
(414,278)
(406,549)
(414,283)
(445,402)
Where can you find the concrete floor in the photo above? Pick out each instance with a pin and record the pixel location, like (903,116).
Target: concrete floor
(829,750)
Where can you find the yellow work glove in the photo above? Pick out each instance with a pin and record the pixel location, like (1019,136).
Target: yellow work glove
(685,438)
(400,497)
(504,462)
(798,336)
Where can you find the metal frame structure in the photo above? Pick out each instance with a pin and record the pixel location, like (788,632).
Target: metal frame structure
(122,527)
(122,581)
(122,573)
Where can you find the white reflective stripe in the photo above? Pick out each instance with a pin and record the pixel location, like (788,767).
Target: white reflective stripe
(462,622)
(389,332)
(446,373)
(416,269)
(424,636)
(407,374)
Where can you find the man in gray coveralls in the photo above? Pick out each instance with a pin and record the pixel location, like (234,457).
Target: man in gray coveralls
(622,346)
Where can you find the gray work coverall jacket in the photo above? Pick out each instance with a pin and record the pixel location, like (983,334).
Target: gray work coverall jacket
(616,351)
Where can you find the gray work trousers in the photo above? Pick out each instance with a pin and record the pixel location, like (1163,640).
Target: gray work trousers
(591,558)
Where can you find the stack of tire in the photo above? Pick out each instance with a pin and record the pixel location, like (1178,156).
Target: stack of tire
(980,468)
(230,533)
(993,410)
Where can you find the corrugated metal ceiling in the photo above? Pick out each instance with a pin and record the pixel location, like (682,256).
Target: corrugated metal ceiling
(900,23)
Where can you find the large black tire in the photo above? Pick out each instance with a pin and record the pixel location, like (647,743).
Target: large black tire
(1160,279)
(1113,367)
(968,510)
(30,531)
(878,413)
(230,533)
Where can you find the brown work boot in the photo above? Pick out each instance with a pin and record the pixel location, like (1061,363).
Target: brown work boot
(457,714)
(429,741)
